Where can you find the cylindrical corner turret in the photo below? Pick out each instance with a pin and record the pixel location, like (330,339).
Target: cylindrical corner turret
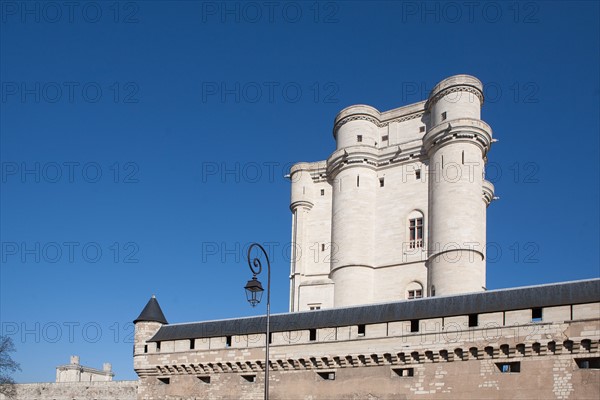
(150,320)
(356,126)
(457,144)
(302,186)
(460,96)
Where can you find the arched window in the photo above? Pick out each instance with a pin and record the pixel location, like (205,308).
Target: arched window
(416,232)
(414,290)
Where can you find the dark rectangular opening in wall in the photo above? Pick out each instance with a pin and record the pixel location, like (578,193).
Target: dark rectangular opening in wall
(588,363)
(312,335)
(322,192)
(145,348)
(421,129)
(414,325)
(192,344)
(473,320)
(204,379)
(228,341)
(249,378)
(359,138)
(361,330)
(166,381)
(270,337)
(384,138)
(509,367)
(404,372)
(157,346)
(536,315)
(381,182)
(357,181)
(444,116)
(418,174)
(327,375)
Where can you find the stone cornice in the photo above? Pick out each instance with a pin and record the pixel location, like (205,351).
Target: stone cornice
(488,192)
(509,350)
(463,129)
(455,84)
(368,113)
(301,204)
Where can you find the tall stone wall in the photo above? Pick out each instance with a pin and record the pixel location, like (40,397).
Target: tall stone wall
(115,390)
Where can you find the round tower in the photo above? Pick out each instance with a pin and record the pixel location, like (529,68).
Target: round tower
(301,204)
(457,142)
(351,170)
(150,320)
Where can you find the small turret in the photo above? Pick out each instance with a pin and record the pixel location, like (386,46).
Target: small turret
(150,320)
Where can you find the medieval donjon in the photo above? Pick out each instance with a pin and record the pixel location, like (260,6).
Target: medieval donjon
(398,210)
(388,296)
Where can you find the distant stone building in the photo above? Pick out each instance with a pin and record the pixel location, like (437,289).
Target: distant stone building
(77,382)
(75,372)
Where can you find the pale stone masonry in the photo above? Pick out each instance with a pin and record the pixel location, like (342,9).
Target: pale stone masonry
(388,298)
(354,214)
(537,342)
(75,372)
(77,382)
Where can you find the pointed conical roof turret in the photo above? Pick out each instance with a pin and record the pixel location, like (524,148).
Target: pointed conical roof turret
(151,313)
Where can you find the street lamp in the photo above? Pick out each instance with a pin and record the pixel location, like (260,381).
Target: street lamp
(254,292)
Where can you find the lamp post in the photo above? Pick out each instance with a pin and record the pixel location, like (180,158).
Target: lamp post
(254,292)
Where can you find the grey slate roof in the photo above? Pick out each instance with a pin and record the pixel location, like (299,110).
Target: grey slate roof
(577,292)
(151,313)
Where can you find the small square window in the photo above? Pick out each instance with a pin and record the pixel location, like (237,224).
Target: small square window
(359,138)
(249,378)
(404,372)
(312,335)
(422,129)
(414,325)
(322,192)
(588,363)
(204,379)
(327,375)
(361,330)
(473,320)
(536,315)
(512,367)
(444,116)
(385,138)
(165,381)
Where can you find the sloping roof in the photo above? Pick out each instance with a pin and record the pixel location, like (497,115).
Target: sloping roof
(577,292)
(151,313)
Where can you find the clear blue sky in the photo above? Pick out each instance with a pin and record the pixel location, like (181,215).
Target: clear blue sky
(142,143)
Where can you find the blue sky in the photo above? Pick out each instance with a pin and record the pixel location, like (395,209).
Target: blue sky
(143,146)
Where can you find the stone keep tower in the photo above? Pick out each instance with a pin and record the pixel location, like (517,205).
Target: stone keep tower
(398,210)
